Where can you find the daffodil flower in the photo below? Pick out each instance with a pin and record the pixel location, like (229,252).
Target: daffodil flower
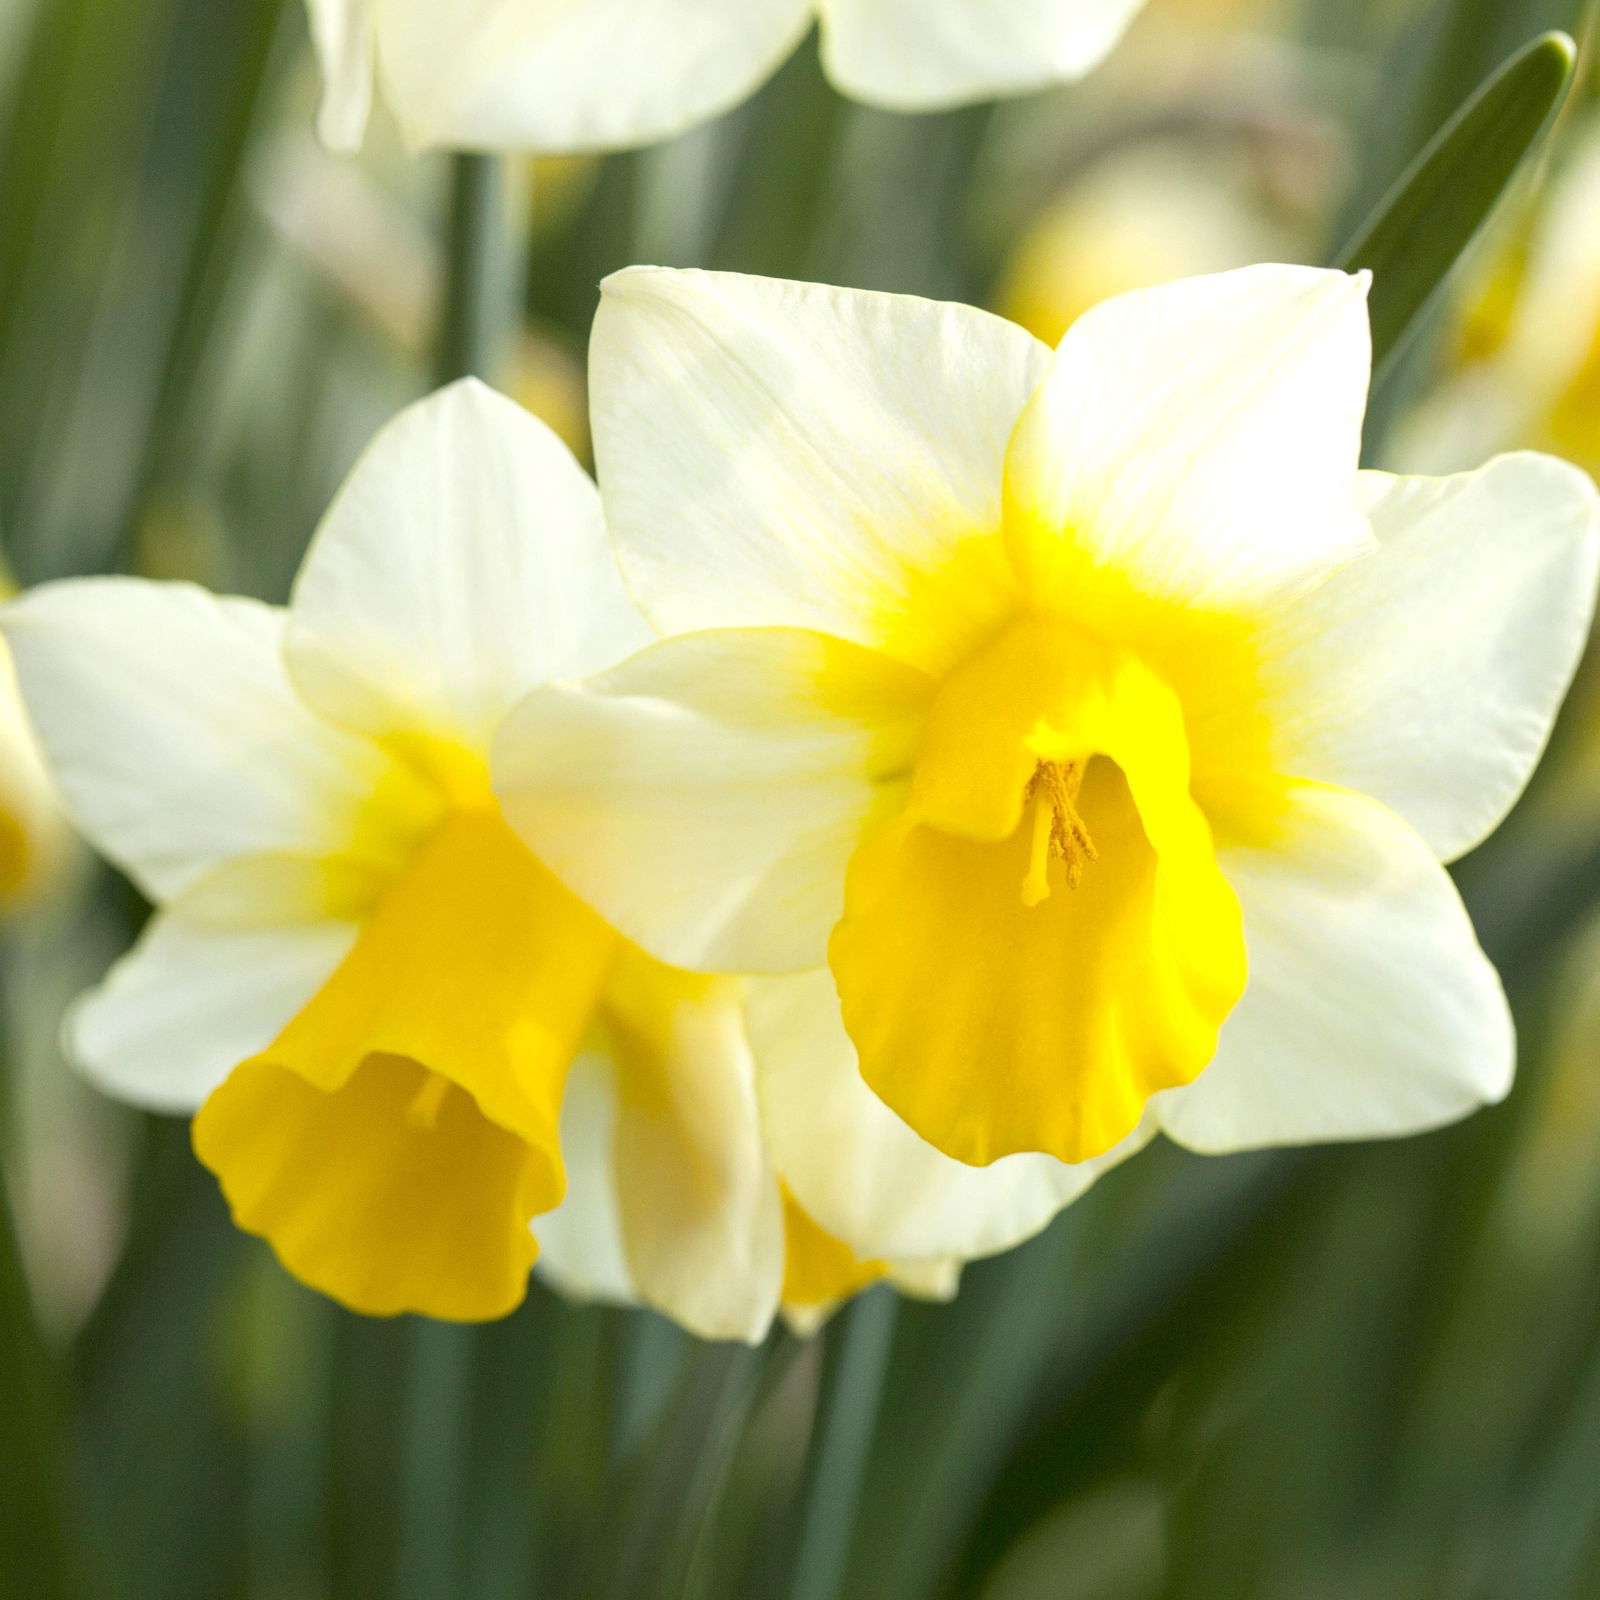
(1091,713)
(568,75)
(398,1031)
(365,986)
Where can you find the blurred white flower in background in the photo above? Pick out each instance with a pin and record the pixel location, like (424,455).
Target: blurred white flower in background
(566,75)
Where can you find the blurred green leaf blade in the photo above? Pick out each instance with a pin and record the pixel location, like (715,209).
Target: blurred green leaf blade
(1420,228)
(36,1532)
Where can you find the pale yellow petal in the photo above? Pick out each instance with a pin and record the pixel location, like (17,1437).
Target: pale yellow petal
(706,795)
(569,75)
(701,1223)
(1197,441)
(921,55)
(792,455)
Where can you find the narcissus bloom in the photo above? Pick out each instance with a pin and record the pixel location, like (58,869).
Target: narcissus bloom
(369,990)
(606,74)
(1095,717)
(368,987)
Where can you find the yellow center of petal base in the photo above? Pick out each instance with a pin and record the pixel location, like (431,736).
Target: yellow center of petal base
(1043,939)
(818,1268)
(396,1139)
(16,856)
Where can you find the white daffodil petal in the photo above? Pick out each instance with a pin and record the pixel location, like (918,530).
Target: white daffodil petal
(189,1002)
(1428,674)
(464,561)
(784,454)
(1370,1011)
(174,732)
(927,1280)
(1199,439)
(859,1171)
(580,1242)
(706,795)
(578,74)
(702,1221)
(919,55)
(341,31)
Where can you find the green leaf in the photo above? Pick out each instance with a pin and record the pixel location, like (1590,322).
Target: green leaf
(1420,228)
(35,1542)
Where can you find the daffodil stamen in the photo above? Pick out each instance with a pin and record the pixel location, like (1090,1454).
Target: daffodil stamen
(423,1112)
(1058,830)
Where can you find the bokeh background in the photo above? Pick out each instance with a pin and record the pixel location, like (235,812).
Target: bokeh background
(1364,1371)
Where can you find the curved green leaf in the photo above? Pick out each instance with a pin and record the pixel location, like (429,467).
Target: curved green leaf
(35,1530)
(1418,231)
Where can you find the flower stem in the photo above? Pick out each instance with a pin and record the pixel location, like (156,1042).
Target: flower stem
(36,1543)
(482,304)
(854,1365)
(483,286)
(434,1450)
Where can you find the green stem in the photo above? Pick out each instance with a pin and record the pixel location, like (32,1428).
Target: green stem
(482,301)
(35,1531)
(481,308)
(855,1363)
(221,229)
(434,1454)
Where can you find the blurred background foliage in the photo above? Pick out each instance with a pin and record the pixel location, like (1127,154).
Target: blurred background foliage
(1347,1372)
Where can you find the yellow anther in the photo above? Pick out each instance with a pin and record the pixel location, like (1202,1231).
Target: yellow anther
(1036,885)
(1058,830)
(423,1112)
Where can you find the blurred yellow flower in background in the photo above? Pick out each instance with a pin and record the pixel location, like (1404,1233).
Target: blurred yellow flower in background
(606,74)
(35,841)
(1090,711)
(1525,365)
(1135,219)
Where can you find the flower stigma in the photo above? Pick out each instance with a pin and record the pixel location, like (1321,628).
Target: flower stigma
(423,1112)
(1058,830)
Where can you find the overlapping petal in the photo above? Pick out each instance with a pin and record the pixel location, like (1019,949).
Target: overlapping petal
(701,1221)
(860,1171)
(174,732)
(785,454)
(341,31)
(917,55)
(1197,442)
(706,795)
(1428,674)
(1370,1009)
(570,75)
(580,1243)
(464,561)
(671,1199)
(189,1001)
